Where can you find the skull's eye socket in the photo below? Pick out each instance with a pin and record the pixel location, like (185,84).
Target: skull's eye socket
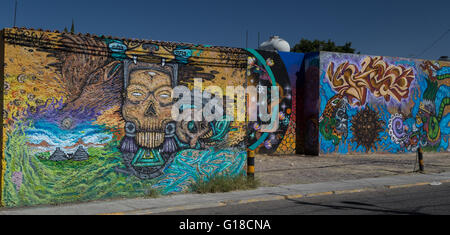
(136,95)
(164,95)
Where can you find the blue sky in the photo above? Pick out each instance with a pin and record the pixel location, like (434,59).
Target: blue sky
(382,27)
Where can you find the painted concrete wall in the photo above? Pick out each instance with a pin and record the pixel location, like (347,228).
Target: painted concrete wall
(276,69)
(88,118)
(375,104)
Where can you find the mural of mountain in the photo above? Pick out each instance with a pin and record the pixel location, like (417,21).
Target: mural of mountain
(68,139)
(80,142)
(41,144)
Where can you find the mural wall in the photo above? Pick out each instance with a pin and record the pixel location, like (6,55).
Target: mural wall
(308,123)
(88,118)
(266,69)
(382,104)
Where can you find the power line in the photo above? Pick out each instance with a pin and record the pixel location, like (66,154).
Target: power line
(246,39)
(258,40)
(15,13)
(434,43)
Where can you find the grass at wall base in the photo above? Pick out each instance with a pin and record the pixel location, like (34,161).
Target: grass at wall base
(225,183)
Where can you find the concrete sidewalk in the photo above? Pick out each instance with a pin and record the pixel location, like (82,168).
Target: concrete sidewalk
(281,177)
(300,169)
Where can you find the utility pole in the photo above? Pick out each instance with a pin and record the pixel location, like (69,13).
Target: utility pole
(420,159)
(258,40)
(246,39)
(250,164)
(72,28)
(15,13)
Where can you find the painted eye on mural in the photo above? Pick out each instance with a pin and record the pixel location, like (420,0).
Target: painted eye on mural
(152,74)
(335,102)
(137,94)
(164,95)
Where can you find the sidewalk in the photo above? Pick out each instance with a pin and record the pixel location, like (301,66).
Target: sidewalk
(300,169)
(282,177)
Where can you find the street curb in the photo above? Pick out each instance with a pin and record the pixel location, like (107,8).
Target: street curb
(264,199)
(271,198)
(353,191)
(407,185)
(168,209)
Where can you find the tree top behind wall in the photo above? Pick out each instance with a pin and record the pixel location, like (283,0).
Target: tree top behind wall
(306,45)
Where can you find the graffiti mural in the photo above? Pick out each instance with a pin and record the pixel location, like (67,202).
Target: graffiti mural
(266,69)
(87,117)
(383,104)
(292,62)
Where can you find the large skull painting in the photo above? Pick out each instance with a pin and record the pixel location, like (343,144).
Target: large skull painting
(148,102)
(149,144)
(152,137)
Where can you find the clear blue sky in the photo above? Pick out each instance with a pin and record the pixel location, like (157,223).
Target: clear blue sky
(375,27)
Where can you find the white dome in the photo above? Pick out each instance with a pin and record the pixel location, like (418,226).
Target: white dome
(275,43)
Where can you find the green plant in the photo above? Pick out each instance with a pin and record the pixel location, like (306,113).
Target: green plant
(153,193)
(225,183)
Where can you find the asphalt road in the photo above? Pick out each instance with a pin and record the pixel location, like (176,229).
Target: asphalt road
(418,200)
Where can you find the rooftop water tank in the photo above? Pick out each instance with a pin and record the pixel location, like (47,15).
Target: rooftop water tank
(275,43)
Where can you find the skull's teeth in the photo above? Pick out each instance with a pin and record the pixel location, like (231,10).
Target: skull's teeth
(152,126)
(150,139)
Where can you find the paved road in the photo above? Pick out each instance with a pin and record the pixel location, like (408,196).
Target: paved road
(419,200)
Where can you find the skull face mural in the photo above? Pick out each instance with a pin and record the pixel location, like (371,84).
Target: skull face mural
(152,137)
(149,144)
(148,104)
